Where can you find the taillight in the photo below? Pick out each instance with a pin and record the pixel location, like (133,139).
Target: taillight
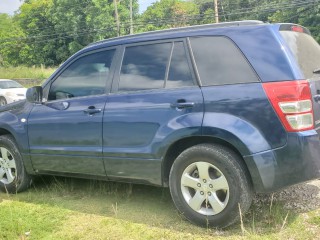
(292,101)
(297,29)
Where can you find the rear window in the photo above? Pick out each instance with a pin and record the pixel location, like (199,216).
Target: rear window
(305,49)
(219,61)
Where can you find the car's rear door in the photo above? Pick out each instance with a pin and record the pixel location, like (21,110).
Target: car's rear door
(155,101)
(65,132)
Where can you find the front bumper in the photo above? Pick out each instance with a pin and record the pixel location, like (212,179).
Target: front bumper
(298,161)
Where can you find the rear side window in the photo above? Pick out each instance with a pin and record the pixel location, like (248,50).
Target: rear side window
(305,49)
(219,61)
(144,67)
(155,66)
(179,72)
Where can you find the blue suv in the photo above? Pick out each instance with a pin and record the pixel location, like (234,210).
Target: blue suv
(214,112)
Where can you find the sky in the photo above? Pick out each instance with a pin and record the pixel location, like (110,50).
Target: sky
(9,6)
(143,4)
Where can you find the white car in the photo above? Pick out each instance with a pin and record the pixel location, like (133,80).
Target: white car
(11,91)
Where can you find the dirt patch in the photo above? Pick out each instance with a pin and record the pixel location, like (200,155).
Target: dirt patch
(300,198)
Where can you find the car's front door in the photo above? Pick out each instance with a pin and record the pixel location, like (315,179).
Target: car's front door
(65,132)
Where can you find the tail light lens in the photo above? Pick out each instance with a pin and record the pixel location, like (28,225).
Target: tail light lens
(292,101)
(297,29)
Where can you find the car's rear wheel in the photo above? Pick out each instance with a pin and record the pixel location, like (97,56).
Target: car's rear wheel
(3,101)
(208,184)
(13,176)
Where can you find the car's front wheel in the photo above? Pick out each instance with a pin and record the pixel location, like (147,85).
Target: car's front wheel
(208,185)
(13,176)
(3,101)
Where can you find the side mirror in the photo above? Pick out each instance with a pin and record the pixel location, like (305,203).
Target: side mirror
(34,94)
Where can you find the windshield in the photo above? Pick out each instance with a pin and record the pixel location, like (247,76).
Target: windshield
(306,51)
(9,84)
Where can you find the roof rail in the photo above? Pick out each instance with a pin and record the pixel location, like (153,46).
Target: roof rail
(203,26)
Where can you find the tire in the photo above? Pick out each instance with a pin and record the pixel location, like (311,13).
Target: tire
(13,176)
(208,183)
(3,101)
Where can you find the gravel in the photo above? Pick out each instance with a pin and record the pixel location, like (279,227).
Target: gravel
(299,198)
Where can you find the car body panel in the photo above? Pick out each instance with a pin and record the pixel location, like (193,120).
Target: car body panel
(13,120)
(67,140)
(242,115)
(137,125)
(296,162)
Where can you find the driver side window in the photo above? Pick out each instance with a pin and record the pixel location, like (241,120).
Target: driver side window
(85,77)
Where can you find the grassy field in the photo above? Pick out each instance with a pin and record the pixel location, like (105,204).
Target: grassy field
(27,76)
(25,72)
(62,208)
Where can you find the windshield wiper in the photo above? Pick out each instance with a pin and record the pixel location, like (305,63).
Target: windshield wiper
(316,70)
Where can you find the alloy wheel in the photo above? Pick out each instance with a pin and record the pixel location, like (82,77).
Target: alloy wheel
(205,188)
(3,102)
(7,166)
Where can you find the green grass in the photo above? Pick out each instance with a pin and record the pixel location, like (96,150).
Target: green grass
(62,208)
(18,218)
(27,76)
(315,217)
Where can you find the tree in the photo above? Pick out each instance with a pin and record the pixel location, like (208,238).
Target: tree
(10,45)
(307,16)
(36,22)
(49,31)
(55,29)
(169,13)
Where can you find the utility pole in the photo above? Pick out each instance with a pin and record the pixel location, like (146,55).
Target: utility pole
(216,13)
(131,18)
(117,16)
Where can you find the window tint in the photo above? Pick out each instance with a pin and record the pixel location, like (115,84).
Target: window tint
(306,51)
(144,67)
(219,62)
(9,84)
(86,76)
(179,73)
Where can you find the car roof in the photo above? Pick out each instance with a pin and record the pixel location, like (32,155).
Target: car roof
(162,33)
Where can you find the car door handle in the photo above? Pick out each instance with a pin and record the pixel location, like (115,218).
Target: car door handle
(92,110)
(181,105)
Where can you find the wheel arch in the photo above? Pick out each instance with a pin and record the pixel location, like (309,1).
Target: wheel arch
(25,157)
(4,131)
(16,179)
(180,145)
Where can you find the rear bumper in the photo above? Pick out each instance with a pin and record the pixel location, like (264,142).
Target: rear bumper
(298,161)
